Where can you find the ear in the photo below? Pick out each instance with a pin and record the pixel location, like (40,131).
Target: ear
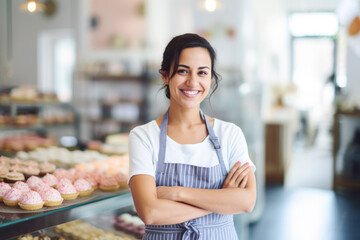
(164,78)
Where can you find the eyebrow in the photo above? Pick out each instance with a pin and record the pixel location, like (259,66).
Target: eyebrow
(184,66)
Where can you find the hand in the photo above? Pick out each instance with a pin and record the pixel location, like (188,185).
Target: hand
(169,193)
(237,176)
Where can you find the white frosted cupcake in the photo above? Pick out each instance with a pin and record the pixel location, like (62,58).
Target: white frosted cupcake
(4,187)
(52,197)
(31,201)
(83,187)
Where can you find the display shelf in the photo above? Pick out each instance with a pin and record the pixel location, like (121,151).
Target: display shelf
(15,224)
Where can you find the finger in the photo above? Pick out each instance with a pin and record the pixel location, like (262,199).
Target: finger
(241,175)
(231,173)
(244,182)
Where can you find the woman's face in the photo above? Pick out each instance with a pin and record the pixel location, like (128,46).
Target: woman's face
(192,80)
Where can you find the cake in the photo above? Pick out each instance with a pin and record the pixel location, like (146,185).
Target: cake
(12,177)
(23,187)
(108,183)
(46,168)
(52,197)
(31,201)
(68,191)
(83,187)
(50,180)
(4,187)
(33,181)
(12,197)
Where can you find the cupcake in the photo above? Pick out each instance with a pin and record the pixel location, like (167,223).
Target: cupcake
(4,187)
(50,180)
(33,181)
(12,197)
(3,173)
(12,177)
(31,201)
(31,163)
(52,197)
(15,161)
(108,183)
(121,178)
(60,173)
(30,171)
(68,191)
(41,187)
(92,181)
(46,168)
(83,187)
(63,181)
(23,187)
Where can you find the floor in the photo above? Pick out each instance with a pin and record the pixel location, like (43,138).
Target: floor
(306,207)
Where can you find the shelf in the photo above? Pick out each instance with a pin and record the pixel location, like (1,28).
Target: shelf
(15,224)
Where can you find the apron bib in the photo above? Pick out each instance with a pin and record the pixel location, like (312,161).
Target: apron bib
(213,226)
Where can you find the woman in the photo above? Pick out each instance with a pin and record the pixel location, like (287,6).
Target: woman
(180,176)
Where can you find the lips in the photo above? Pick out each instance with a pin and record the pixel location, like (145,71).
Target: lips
(190,92)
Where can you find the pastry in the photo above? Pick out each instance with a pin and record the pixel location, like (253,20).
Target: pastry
(50,180)
(83,187)
(46,168)
(68,191)
(23,187)
(63,181)
(60,173)
(3,172)
(41,187)
(108,183)
(4,187)
(30,171)
(33,181)
(31,201)
(92,181)
(12,177)
(121,178)
(52,197)
(12,197)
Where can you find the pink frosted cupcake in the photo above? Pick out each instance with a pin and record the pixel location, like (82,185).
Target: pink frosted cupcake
(23,187)
(52,197)
(4,171)
(30,171)
(92,181)
(41,188)
(121,178)
(50,180)
(33,181)
(63,181)
(31,164)
(31,201)
(12,197)
(46,168)
(108,183)
(68,191)
(60,173)
(4,187)
(83,187)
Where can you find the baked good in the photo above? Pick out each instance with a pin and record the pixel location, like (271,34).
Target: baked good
(68,191)
(121,178)
(63,181)
(30,171)
(50,180)
(52,197)
(92,181)
(31,201)
(12,197)
(3,172)
(23,187)
(108,183)
(47,168)
(83,187)
(59,173)
(33,181)
(4,187)
(15,161)
(12,177)
(30,163)
(41,188)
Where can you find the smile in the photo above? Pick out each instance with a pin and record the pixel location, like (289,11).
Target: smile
(190,92)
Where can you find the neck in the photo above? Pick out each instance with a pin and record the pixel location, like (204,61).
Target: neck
(184,117)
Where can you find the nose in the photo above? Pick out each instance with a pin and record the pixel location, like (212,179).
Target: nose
(192,78)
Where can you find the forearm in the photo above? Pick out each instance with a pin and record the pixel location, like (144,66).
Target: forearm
(223,201)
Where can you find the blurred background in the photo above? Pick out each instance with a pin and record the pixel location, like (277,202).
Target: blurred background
(83,71)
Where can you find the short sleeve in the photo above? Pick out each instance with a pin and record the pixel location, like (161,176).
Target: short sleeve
(140,154)
(239,149)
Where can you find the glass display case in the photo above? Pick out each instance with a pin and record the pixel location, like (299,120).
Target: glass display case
(101,213)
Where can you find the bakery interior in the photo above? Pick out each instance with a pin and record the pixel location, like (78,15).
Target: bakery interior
(77,76)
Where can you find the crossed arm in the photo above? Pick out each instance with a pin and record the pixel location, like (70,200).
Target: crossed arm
(171,205)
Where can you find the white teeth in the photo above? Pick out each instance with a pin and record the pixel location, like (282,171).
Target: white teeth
(191,92)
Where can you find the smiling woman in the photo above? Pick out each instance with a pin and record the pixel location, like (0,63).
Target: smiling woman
(187,168)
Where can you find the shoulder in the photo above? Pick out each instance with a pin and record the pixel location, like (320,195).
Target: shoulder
(148,130)
(226,128)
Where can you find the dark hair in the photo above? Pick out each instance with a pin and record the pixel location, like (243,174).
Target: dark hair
(172,53)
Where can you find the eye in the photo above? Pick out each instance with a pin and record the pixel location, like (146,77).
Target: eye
(182,71)
(203,73)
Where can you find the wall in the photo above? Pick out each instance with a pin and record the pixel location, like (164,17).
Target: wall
(25,30)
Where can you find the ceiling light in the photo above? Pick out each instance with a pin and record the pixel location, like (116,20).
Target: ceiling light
(32,6)
(210,5)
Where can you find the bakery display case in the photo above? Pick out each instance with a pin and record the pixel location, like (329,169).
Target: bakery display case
(110,214)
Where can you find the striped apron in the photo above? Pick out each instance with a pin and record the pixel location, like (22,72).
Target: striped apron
(212,226)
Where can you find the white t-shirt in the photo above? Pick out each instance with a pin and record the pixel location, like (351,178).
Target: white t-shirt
(144,148)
